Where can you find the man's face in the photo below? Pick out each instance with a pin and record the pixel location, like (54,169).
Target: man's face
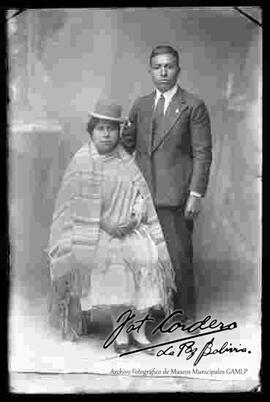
(105,136)
(164,71)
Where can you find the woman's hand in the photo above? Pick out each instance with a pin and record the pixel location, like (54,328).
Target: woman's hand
(120,231)
(127,228)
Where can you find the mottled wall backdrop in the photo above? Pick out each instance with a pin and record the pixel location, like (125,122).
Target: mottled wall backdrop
(61,61)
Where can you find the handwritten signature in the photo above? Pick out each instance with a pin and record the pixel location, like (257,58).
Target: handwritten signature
(186,346)
(189,349)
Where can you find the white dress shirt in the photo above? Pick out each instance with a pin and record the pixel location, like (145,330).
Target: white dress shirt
(168,95)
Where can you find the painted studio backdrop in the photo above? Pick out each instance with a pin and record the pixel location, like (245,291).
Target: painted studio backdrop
(61,61)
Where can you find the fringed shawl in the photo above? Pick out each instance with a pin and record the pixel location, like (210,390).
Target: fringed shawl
(76,220)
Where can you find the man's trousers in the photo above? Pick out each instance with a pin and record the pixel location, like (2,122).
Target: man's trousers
(178,235)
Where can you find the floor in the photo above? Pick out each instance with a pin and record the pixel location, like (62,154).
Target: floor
(41,362)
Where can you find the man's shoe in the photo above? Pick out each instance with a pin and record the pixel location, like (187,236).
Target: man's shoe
(194,330)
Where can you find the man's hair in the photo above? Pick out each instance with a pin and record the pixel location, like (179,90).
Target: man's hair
(164,49)
(93,121)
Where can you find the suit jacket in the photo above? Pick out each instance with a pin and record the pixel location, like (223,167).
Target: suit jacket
(179,160)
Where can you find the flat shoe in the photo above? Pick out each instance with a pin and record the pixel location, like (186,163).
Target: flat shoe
(143,345)
(121,347)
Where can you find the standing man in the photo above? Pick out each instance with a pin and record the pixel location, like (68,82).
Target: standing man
(170,132)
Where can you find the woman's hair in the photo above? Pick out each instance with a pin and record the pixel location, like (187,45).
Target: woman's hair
(93,121)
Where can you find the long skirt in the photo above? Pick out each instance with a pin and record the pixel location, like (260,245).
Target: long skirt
(128,273)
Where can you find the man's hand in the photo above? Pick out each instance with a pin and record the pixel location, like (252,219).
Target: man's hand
(193,207)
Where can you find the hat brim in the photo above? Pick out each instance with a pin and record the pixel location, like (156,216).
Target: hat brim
(103,117)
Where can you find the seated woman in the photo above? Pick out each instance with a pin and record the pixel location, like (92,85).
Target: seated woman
(106,247)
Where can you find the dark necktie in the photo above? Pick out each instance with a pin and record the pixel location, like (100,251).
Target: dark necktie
(158,118)
(160,106)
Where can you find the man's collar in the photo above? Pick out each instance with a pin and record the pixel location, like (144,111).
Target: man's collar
(168,94)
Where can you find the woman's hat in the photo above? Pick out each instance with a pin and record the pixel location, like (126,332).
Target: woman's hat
(107,109)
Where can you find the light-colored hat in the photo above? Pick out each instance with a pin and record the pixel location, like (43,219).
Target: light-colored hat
(107,109)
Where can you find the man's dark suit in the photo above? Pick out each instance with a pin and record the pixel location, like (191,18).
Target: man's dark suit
(173,165)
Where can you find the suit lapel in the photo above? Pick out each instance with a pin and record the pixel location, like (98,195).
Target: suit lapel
(173,113)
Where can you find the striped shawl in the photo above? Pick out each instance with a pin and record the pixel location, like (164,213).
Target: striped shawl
(76,220)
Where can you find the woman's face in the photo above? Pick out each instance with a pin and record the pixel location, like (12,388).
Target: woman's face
(105,136)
